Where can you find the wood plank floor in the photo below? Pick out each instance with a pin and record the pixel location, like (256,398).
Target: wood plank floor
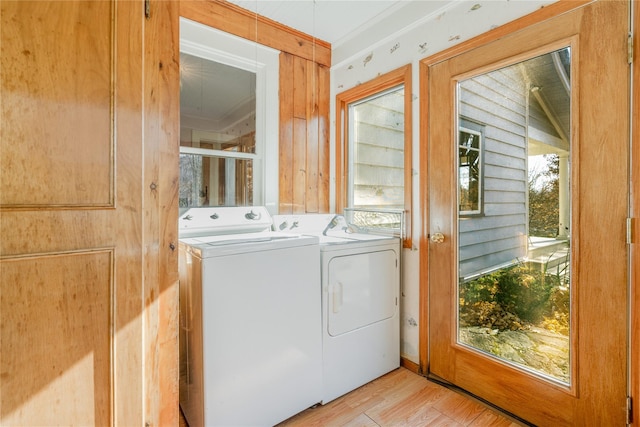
(400,398)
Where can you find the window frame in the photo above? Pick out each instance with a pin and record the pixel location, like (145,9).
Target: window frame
(470,127)
(379,85)
(212,44)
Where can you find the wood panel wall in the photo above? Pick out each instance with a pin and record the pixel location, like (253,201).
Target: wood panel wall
(304,136)
(304,100)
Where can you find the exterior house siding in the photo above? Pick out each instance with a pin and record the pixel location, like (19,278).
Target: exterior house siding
(379,158)
(497,236)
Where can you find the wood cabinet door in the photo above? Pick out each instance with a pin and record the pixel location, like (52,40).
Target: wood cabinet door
(82,221)
(474,228)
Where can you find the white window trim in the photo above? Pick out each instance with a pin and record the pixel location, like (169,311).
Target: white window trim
(215,45)
(480,209)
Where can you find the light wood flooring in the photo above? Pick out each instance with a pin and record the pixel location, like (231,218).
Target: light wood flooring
(400,398)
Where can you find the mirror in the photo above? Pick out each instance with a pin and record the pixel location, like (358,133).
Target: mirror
(218,118)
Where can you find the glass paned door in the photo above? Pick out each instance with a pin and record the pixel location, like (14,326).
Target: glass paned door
(513,244)
(527,198)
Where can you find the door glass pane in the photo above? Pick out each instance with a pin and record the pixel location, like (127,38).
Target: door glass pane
(514,223)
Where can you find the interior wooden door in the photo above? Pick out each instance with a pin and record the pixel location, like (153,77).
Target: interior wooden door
(81,285)
(594,388)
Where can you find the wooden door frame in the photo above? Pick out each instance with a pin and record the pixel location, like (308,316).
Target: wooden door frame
(546,13)
(634,254)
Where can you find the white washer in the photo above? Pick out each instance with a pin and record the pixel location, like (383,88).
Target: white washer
(360,275)
(250,337)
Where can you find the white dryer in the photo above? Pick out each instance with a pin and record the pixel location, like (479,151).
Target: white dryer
(360,279)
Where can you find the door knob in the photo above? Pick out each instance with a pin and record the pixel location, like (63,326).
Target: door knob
(437,238)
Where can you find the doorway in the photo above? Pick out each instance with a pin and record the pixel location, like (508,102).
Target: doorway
(505,288)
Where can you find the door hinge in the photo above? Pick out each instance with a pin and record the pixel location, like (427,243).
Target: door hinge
(629,410)
(630,224)
(147,9)
(630,48)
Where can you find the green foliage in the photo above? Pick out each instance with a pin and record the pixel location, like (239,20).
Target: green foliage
(513,297)
(543,199)
(557,320)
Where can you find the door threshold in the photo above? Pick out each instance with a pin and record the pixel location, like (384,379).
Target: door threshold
(444,383)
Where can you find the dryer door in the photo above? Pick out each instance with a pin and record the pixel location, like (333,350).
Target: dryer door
(362,289)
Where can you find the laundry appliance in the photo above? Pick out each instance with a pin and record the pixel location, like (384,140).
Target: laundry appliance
(250,319)
(360,276)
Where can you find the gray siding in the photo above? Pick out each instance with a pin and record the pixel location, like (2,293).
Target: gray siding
(497,101)
(379,159)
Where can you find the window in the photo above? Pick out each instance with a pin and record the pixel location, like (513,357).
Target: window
(470,168)
(228,120)
(376,151)
(374,146)
(231,177)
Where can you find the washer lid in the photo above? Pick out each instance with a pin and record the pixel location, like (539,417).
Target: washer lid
(209,246)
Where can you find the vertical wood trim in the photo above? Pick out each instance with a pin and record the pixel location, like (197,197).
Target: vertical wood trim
(300,123)
(168,196)
(634,248)
(408,157)
(312,146)
(161,111)
(323,139)
(341,137)
(423,315)
(299,164)
(439,150)
(286,135)
(300,126)
(299,88)
(129,219)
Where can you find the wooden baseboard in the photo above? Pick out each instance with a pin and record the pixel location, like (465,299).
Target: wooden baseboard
(412,366)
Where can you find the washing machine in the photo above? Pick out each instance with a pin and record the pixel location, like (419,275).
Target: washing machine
(250,319)
(360,279)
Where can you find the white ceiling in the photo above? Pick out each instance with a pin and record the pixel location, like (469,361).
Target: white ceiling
(328,20)
(208,102)
(213,98)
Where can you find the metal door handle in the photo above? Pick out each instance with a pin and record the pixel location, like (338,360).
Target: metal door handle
(437,238)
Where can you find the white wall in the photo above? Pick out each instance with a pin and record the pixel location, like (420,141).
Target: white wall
(411,32)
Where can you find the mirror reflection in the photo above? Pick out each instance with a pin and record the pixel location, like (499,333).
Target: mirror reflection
(514,216)
(217,133)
